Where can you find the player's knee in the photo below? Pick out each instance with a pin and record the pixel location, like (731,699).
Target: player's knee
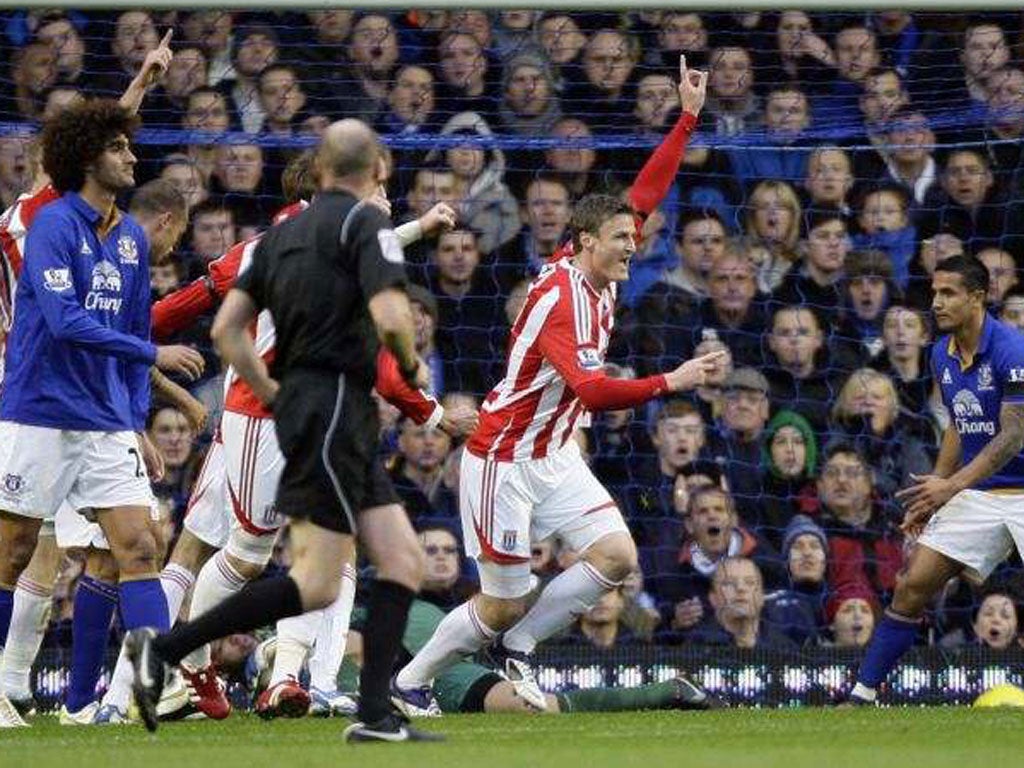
(138,553)
(316,591)
(405,564)
(17,550)
(910,595)
(614,556)
(500,613)
(246,569)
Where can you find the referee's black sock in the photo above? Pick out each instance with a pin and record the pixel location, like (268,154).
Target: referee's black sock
(260,603)
(386,614)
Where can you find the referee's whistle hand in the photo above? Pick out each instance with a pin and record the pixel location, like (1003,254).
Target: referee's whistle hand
(178,358)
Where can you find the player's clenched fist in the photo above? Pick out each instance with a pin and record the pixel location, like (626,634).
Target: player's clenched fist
(694,373)
(693,88)
(178,358)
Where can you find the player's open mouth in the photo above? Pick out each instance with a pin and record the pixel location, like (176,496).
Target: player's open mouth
(715,530)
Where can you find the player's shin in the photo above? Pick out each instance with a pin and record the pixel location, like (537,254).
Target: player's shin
(386,616)
(567,596)
(217,581)
(461,633)
(332,635)
(95,602)
(893,637)
(32,602)
(295,638)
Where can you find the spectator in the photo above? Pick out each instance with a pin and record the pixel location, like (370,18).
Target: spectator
(601,627)
(679,437)
(657,99)
(256,49)
(186,72)
(327,70)
(732,310)
(57,31)
(513,33)
(33,72)
(682,578)
(799,610)
(856,52)
(620,439)
(211,31)
(789,466)
(171,434)
(425,320)
(484,203)
(732,106)
(710,396)
(906,359)
(165,277)
(996,621)
(411,102)
(135,35)
(801,57)
(866,414)
(983,51)
(868,290)
(786,116)
(546,217)
(885,225)
(213,231)
(430,186)
(741,432)
(829,179)
(798,368)
(373,53)
(469,312)
(574,165)
(59,98)
(240,179)
(417,467)
(680,33)
(883,98)
(606,93)
(851,612)
(181,171)
(443,584)
(969,205)
(863,547)
(1002,273)
(1004,126)
(529,105)
(909,161)
(772,230)
(15,168)
(465,84)
(282,99)
(206,109)
(1012,311)
(562,42)
(817,282)
(737,598)
(930,252)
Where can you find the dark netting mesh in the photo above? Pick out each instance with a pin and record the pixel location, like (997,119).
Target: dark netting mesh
(838,158)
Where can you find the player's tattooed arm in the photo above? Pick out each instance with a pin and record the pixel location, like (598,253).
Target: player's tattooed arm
(1007,443)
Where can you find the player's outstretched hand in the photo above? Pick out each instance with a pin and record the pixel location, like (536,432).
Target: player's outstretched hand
(178,358)
(157,61)
(922,499)
(440,218)
(693,88)
(693,373)
(459,420)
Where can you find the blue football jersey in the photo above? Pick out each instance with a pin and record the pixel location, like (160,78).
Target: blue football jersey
(974,394)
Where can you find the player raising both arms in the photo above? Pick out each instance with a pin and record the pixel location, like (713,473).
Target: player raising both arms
(972,507)
(522,474)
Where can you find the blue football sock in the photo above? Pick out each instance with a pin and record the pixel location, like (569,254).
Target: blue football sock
(6,609)
(144,604)
(893,637)
(95,602)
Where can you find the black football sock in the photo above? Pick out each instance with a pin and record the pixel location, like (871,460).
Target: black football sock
(386,615)
(258,604)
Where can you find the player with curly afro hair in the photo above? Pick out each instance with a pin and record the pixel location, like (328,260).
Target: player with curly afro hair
(76,139)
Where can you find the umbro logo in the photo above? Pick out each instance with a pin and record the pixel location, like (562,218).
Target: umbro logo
(1017,375)
(946,378)
(86,250)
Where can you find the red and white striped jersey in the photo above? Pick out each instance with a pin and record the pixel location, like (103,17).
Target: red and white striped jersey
(558,342)
(238,396)
(14,224)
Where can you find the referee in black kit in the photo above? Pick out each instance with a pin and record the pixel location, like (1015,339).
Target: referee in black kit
(334,281)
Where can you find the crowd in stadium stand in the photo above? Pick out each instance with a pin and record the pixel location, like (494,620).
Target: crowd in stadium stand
(839,157)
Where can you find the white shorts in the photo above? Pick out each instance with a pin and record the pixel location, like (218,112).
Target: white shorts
(74,531)
(41,468)
(506,505)
(232,504)
(978,529)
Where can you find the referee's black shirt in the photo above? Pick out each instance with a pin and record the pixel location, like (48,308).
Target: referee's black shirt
(315,273)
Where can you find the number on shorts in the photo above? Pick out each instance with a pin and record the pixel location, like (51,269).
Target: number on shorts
(138,462)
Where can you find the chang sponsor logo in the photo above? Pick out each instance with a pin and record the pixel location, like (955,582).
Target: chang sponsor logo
(968,415)
(105,280)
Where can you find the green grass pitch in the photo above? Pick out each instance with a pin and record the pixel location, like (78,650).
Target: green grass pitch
(822,738)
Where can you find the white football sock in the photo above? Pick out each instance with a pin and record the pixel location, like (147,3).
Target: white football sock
(295,638)
(175,581)
(217,581)
(32,603)
(570,594)
(461,633)
(329,647)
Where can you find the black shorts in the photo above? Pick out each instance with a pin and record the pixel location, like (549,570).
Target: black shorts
(328,429)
